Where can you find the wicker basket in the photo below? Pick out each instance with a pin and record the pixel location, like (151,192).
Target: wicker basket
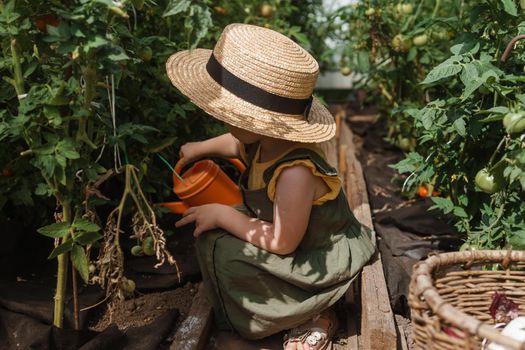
(450,296)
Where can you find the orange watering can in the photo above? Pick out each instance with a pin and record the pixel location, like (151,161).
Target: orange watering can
(204,183)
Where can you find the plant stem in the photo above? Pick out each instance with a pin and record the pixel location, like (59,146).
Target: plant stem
(62,272)
(496,151)
(75,298)
(436,8)
(90,78)
(17,69)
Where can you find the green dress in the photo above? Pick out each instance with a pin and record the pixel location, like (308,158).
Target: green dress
(258,293)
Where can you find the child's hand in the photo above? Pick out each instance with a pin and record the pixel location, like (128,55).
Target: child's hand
(189,152)
(206,217)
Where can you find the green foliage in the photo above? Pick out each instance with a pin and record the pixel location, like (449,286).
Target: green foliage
(470,134)
(434,69)
(85,97)
(391,46)
(72,58)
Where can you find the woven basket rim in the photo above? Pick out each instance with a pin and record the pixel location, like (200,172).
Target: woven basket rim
(423,286)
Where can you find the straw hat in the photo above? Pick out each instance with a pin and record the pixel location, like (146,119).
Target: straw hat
(258,80)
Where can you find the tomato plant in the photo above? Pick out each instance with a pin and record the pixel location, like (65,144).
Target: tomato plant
(85,99)
(433,68)
(470,131)
(392,46)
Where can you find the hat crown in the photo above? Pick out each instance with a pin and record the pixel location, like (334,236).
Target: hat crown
(268,60)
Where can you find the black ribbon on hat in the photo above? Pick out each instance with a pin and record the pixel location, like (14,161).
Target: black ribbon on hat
(256,95)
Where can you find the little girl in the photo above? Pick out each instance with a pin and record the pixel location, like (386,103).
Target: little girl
(292,249)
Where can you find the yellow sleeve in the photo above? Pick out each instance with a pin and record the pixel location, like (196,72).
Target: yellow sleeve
(333,182)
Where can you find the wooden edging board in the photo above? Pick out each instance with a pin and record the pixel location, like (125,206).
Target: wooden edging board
(378,329)
(194,331)
(377,325)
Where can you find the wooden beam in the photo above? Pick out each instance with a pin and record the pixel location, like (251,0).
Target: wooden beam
(194,332)
(352,322)
(331,151)
(378,329)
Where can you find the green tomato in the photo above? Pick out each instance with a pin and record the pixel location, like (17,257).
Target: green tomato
(514,122)
(146,53)
(407,9)
(137,250)
(92,268)
(487,182)
(441,35)
(266,10)
(420,40)
(128,285)
(400,43)
(345,71)
(370,11)
(404,144)
(148,246)
(483,90)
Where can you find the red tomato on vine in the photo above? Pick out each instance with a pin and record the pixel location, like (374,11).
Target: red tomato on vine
(422,191)
(7,172)
(43,21)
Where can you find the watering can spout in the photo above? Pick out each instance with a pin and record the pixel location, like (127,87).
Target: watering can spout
(175,207)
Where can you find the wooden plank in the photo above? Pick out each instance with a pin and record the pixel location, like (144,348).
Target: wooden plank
(342,160)
(194,331)
(339,117)
(402,338)
(378,329)
(355,182)
(352,326)
(368,118)
(330,150)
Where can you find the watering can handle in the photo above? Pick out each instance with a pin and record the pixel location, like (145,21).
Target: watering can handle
(234,161)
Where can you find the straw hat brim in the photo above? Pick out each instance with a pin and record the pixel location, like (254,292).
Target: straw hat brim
(187,72)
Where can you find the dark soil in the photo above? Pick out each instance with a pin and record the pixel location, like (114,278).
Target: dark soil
(144,309)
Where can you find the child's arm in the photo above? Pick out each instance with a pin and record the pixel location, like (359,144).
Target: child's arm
(224,145)
(295,191)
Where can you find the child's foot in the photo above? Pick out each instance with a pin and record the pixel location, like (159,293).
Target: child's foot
(315,334)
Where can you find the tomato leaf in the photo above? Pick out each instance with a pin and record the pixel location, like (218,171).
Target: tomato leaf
(460,212)
(67,149)
(459,126)
(176,7)
(86,238)
(443,204)
(56,230)
(61,249)
(510,7)
(446,69)
(85,225)
(79,259)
